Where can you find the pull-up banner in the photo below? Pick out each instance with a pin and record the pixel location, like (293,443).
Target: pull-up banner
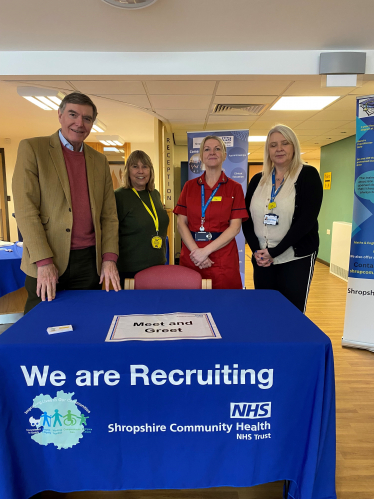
(359,313)
(235,167)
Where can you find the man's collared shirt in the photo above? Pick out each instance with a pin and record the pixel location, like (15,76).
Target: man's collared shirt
(67,144)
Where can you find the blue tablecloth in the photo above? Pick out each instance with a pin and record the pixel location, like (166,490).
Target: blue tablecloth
(11,276)
(169,428)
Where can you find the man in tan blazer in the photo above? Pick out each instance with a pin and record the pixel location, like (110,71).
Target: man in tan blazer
(65,208)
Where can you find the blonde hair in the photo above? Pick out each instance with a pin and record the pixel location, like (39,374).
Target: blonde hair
(289,135)
(134,159)
(214,137)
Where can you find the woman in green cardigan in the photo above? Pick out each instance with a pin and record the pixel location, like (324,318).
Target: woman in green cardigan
(143,222)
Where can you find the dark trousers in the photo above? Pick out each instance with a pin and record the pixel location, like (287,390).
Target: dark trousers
(81,273)
(126,275)
(292,279)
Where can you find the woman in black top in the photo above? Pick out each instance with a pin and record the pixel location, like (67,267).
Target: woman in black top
(283,203)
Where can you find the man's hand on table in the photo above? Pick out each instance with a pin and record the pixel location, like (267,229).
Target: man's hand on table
(46,282)
(109,273)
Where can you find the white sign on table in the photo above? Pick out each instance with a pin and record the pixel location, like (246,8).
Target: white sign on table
(175,326)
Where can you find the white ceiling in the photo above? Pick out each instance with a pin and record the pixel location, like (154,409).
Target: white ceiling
(187,25)
(128,103)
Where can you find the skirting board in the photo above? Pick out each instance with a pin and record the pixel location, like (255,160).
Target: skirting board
(323,261)
(358,344)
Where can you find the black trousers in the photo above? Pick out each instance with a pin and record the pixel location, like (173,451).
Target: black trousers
(292,279)
(81,273)
(125,275)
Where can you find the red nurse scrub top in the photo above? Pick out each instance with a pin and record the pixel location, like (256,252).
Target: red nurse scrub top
(229,204)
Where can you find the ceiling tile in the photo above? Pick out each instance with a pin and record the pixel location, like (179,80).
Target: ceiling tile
(233,119)
(329,114)
(136,100)
(348,127)
(180,87)
(109,87)
(245,99)
(213,126)
(56,84)
(320,125)
(366,89)
(347,103)
(268,125)
(314,88)
(181,114)
(281,116)
(181,101)
(270,87)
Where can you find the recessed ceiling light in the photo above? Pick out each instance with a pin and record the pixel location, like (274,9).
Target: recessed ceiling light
(302,153)
(257,138)
(315,103)
(110,149)
(130,4)
(113,140)
(45,98)
(98,126)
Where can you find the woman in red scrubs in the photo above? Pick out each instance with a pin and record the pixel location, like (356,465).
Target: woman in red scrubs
(210,211)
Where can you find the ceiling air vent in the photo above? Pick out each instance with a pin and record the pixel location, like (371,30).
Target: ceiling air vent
(239,109)
(130,4)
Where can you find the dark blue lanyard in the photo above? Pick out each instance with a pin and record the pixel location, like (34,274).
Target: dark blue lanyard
(273,191)
(205,206)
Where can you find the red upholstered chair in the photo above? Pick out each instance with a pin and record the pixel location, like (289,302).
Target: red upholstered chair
(168,277)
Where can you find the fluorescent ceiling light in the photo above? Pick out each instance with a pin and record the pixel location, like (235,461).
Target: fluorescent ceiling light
(38,103)
(45,98)
(105,142)
(110,149)
(114,140)
(48,102)
(257,138)
(315,103)
(55,99)
(99,126)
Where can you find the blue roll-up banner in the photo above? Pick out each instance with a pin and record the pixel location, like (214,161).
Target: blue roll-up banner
(235,167)
(359,314)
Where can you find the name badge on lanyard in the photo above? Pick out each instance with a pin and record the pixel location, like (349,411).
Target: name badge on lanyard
(202,235)
(272,218)
(156,241)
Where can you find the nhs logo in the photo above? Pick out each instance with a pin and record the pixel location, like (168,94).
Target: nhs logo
(250,410)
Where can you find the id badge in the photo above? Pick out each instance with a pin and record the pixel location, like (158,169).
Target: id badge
(156,242)
(271,219)
(203,236)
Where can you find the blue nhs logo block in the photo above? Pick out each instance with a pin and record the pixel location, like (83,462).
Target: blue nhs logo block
(250,410)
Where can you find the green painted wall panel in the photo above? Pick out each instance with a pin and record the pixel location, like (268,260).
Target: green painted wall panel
(337,206)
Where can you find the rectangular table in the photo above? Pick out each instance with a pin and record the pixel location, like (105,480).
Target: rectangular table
(11,276)
(253,407)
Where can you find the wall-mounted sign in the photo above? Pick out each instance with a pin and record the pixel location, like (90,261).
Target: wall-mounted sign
(327,180)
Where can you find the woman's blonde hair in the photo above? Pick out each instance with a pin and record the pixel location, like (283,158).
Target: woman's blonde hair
(289,135)
(134,159)
(208,137)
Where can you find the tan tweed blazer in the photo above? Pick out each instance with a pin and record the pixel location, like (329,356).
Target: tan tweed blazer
(43,208)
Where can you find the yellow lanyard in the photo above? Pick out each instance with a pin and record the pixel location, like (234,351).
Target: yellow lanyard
(154,216)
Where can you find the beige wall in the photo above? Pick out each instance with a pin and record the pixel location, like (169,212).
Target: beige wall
(10,153)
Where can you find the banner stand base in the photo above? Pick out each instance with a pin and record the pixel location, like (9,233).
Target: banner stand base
(358,344)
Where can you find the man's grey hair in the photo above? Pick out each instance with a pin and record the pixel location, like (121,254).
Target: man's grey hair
(78,98)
